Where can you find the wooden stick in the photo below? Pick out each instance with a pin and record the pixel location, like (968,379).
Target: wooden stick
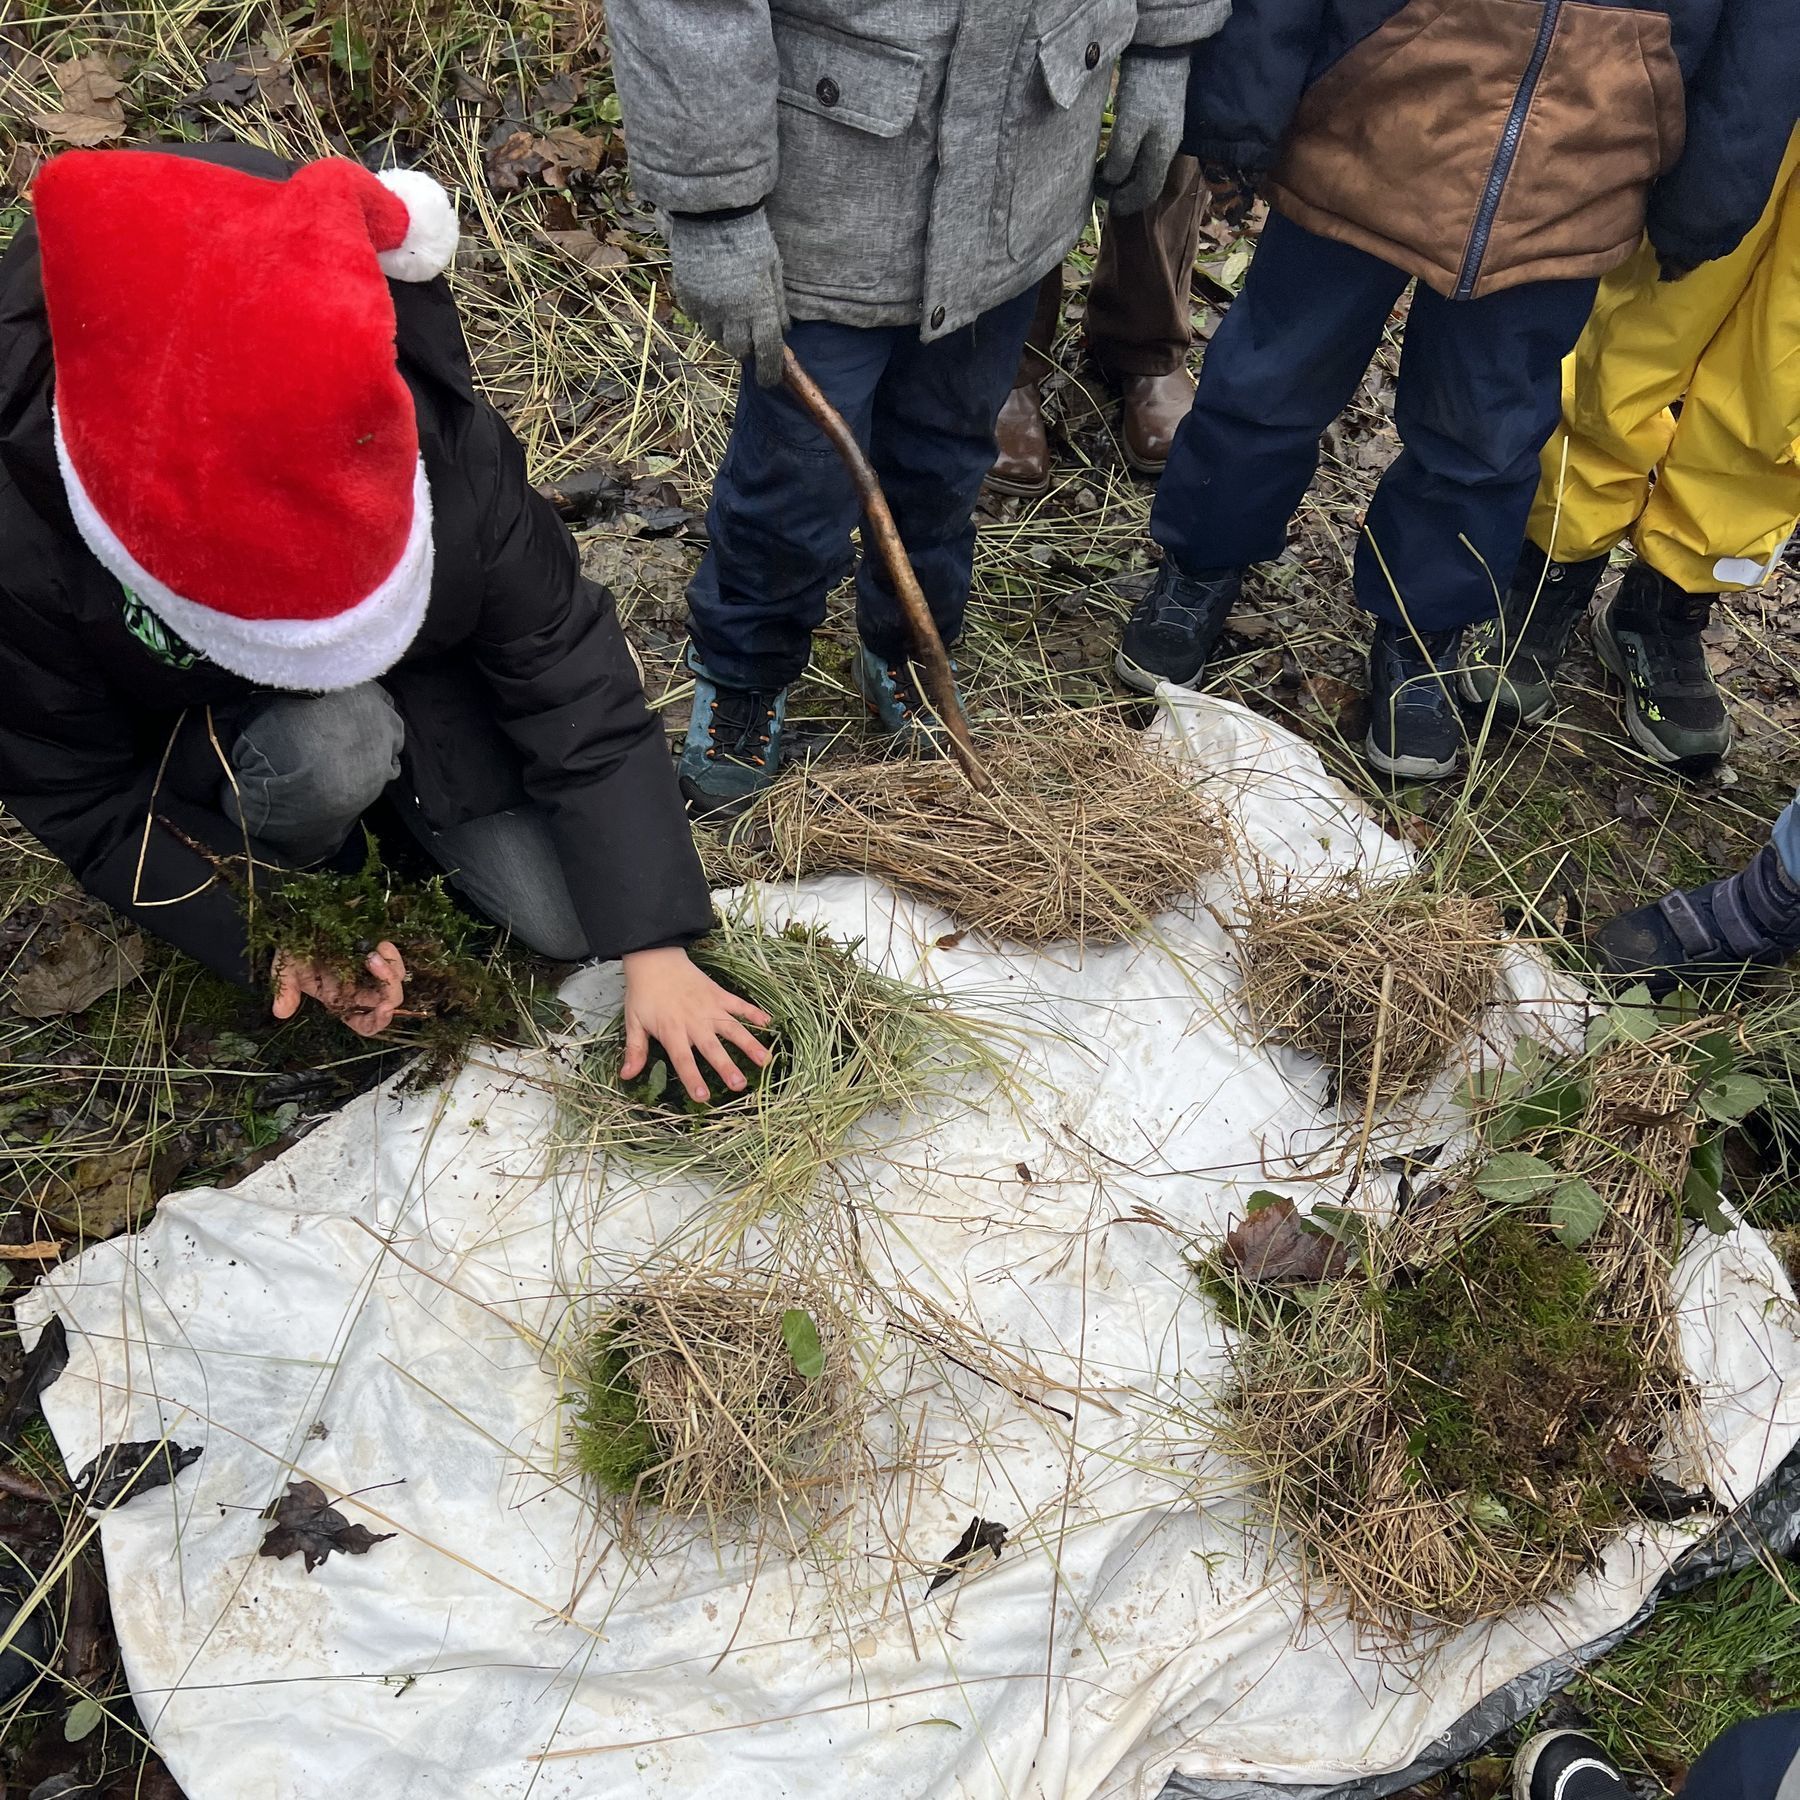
(934,659)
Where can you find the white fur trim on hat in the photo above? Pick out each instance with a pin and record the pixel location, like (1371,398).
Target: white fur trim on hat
(429,247)
(305,655)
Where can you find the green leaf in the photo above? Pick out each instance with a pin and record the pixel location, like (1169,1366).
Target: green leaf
(84,1715)
(1339,1223)
(1485,1509)
(656,1083)
(1556,1106)
(1732,1098)
(801,1336)
(349,47)
(1576,1212)
(1635,1024)
(1261,1198)
(1705,1177)
(1513,1177)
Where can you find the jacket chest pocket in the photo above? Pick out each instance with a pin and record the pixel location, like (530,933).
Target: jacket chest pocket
(856,164)
(1057,98)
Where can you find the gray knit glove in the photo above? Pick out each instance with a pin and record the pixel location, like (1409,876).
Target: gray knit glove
(1149,114)
(728,281)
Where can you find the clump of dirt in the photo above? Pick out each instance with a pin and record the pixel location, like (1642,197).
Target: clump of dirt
(460,986)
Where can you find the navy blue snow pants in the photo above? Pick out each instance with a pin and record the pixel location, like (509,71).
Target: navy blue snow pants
(1479,394)
(783,506)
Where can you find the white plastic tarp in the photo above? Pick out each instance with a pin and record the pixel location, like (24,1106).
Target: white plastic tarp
(346,1315)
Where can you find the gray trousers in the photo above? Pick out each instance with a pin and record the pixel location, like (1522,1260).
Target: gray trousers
(306,767)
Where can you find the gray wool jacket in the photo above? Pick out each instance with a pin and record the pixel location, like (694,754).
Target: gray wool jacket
(921,160)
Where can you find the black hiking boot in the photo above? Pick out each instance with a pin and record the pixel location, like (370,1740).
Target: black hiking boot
(1415,730)
(1566,1765)
(1752,917)
(1648,636)
(1510,662)
(1173,628)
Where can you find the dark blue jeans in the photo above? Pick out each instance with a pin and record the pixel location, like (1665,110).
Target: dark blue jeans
(1479,394)
(783,506)
(1756,1760)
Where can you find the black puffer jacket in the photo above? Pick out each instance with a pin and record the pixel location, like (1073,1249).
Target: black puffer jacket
(1482,143)
(518,686)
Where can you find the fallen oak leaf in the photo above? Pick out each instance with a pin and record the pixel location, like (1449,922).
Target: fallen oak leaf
(305,1520)
(1274,1246)
(123,1471)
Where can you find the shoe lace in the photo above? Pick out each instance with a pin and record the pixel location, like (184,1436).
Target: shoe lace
(742,725)
(906,689)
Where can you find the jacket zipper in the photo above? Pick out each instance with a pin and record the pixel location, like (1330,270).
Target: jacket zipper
(1505,156)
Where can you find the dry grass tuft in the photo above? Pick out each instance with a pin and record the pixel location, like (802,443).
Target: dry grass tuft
(1088,837)
(1383,982)
(1454,1428)
(715,1394)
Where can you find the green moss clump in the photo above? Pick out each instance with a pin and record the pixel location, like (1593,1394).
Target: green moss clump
(614,1445)
(1515,1389)
(459,986)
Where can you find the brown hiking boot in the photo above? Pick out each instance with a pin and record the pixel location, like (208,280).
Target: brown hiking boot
(1154,406)
(1023,463)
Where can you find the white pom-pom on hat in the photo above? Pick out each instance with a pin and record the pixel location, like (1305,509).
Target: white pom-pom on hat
(429,246)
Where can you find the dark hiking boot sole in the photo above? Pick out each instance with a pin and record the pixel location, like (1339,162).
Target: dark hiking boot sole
(1017,490)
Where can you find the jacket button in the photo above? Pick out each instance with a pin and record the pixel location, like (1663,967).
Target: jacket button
(827,90)
(937,319)
(1092,58)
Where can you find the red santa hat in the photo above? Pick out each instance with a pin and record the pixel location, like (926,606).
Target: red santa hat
(236,441)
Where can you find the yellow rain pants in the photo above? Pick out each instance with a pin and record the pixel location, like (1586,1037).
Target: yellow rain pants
(1725,343)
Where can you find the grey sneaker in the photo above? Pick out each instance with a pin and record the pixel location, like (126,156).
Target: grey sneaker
(733,747)
(1752,917)
(1510,662)
(1648,636)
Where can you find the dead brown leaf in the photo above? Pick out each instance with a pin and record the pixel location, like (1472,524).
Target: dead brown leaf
(305,1520)
(73,967)
(104,1195)
(92,112)
(1273,1247)
(588,249)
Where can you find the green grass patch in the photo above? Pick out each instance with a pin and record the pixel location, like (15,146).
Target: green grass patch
(1728,1651)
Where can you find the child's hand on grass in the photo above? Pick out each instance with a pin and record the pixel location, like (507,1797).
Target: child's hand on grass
(685,1010)
(366,1006)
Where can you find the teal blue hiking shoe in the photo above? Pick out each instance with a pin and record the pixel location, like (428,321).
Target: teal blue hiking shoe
(733,748)
(895,700)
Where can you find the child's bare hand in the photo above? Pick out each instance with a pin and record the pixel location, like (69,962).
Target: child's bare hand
(690,1015)
(366,1006)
